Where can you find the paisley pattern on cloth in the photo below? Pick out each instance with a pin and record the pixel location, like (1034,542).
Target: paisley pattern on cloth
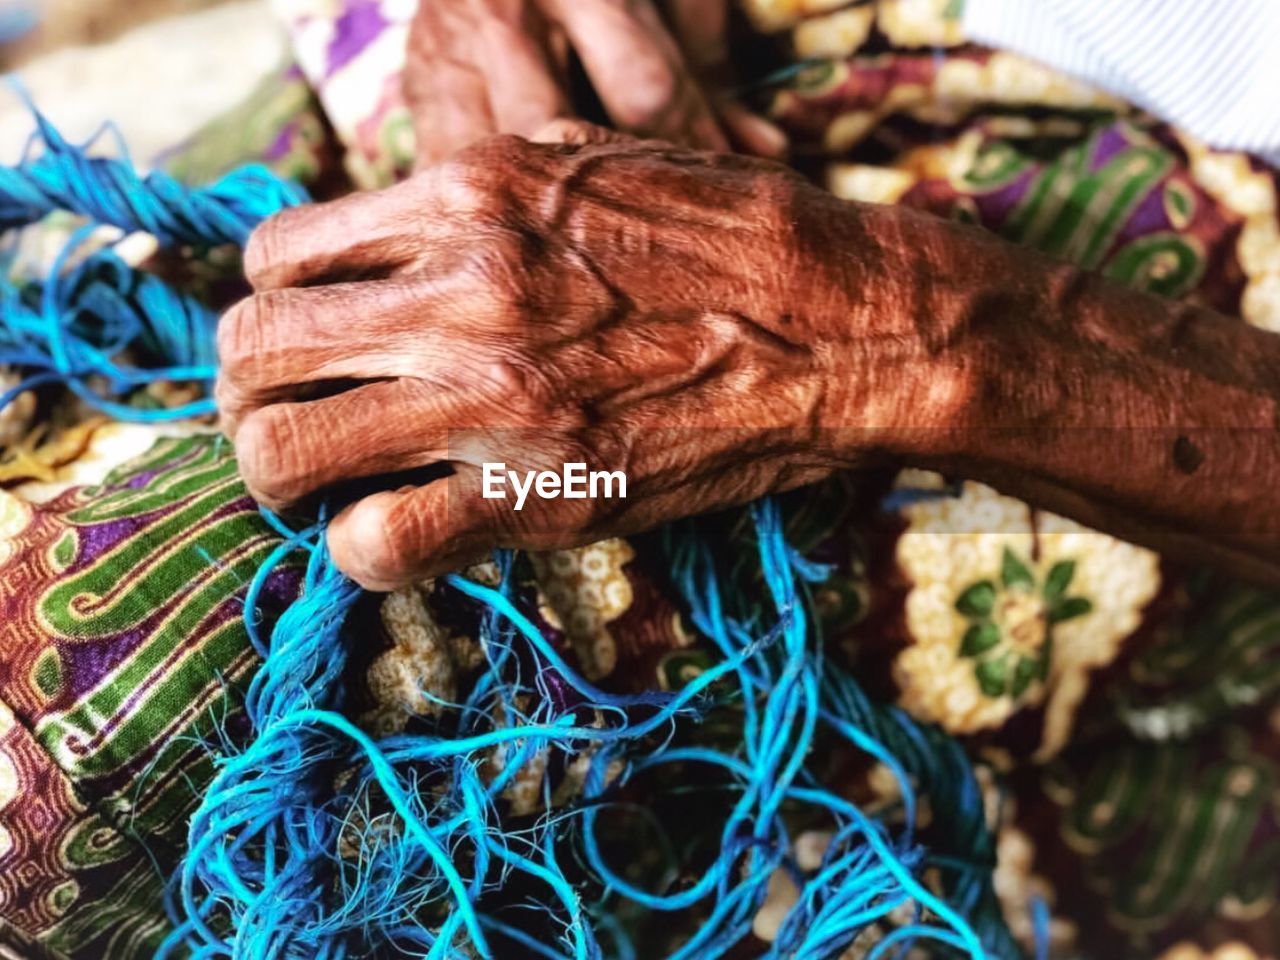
(1137,684)
(1166,812)
(121,620)
(124,645)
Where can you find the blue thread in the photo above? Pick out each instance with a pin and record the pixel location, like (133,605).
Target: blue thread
(74,329)
(63,176)
(317,841)
(1040,926)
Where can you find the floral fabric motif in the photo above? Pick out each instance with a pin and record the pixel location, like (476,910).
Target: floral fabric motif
(1009,608)
(352,52)
(1010,634)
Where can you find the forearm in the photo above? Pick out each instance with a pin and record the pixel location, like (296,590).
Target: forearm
(1151,419)
(717,328)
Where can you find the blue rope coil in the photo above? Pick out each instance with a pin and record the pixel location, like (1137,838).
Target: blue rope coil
(318,841)
(77,328)
(63,176)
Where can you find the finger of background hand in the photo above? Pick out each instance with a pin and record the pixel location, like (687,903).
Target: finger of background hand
(450,108)
(390,539)
(752,133)
(701,27)
(445,89)
(637,71)
(287,451)
(364,234)
(579,133)
(524,91)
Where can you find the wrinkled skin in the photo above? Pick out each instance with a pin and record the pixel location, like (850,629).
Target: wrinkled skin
(480,67)
(717,328)
(536,304)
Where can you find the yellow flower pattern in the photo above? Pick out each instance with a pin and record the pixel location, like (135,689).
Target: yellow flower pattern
(581,592)
(954,543)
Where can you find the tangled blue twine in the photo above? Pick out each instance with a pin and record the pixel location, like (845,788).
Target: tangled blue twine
(87,318)
(77,329)
(316,840)
(58,175)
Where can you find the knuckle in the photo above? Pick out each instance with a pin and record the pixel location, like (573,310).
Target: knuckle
(490,520)
(455,185)
(492,262)
(376,550)
(520,386)
(481,178)
(236,331)
(466,183)
(495,268)
(564,130)
(263,250)
(491,152)
(247,331)
(267,458)
(231,406)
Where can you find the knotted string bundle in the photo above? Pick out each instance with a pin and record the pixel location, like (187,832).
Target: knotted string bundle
(57,175)
(75,328)
(317,840)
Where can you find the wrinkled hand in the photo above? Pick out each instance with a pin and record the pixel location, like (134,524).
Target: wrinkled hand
(479,67)
(679,316)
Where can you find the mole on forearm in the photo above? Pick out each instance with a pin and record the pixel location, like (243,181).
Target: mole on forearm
(1187,457)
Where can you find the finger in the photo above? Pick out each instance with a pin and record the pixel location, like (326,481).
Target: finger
(273,343)
(288,451)
(701,27)
(579,133)
(525,92)
(471,74)
(638,72)
(445,89)
(752,133)
(390,539)
(361,235)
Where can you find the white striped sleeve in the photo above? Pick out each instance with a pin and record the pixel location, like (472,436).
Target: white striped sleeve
(1211,67)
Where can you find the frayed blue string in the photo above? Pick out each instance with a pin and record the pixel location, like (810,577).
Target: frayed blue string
(1040,926)
(317,841)
(64,176)
(76,329)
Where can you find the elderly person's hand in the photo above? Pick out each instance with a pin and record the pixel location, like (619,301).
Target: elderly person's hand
(698,321)
(479,67)
(716,328)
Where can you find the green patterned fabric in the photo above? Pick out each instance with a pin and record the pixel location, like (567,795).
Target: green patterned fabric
(125,648)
